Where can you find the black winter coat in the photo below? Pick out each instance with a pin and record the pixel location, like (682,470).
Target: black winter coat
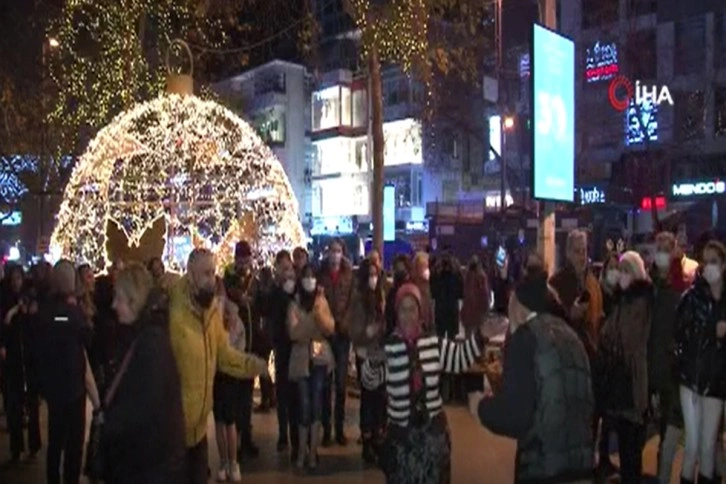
(143,435)
(699,357)
(63,333)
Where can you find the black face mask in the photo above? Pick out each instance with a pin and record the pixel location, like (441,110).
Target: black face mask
(400,275)
(204,297)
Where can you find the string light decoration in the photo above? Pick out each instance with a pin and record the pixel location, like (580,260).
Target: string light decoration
(190,161)
(399,30)
(110,53)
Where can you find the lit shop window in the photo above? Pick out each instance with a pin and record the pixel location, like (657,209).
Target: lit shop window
(326,108)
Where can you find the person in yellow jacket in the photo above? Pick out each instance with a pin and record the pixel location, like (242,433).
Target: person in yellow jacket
(201,348)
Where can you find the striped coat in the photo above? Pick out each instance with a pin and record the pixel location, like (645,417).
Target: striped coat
(436,355)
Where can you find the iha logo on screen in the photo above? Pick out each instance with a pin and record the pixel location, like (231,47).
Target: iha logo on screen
(621,91)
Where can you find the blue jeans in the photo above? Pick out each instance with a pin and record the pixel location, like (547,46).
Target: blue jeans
(311,391)
(339,380)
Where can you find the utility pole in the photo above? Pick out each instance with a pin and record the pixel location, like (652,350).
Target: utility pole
(546,215)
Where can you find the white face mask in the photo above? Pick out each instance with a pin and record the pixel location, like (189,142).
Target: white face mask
(712,273)
(309,284)
(625,281)
(373,282)
(612,277)
(289,286)
(426,274)
(662,260)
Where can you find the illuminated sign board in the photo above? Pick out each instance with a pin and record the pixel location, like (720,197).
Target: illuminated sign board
(601,61)
(698,189)
(591,195)
(495,137)
(389,213)
(11,219)
(553,87)
(646,203)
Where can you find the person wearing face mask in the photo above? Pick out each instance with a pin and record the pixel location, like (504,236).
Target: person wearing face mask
(417,448)
(421,277)
(244,289)
(310,323)
(201,347)
(402,270)
(337,282)
(669,282)
(276,315)
(700,329)
(623,355)
(602,425)
(366,332)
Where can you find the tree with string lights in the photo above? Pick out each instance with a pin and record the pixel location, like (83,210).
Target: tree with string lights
(111,53)
(427,39)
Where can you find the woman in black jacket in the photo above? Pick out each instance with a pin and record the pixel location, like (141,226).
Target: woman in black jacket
(142,438)
(700,361)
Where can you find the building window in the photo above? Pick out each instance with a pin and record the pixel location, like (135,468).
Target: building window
(396,91)
(719,114)
(326,108)
(690,46)
(690,115)
(719,43)
(642,55)
(270,125)
(268,82)
(643,7)
(360,108)
(598,12)
(346,106)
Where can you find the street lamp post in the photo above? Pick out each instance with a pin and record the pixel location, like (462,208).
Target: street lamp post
(507,125)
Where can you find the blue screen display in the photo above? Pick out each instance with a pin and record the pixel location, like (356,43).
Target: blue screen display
(389,213)
(553,164)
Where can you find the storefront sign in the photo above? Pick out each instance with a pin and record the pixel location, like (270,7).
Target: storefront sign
(646,203)
(699,189)
(592,196)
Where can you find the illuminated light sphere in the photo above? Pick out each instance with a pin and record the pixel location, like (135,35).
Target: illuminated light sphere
(171,174)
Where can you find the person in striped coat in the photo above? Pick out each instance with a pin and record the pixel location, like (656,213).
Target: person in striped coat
(417,449)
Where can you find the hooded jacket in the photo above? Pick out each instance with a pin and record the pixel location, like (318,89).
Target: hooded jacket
(699,356)
(201,347)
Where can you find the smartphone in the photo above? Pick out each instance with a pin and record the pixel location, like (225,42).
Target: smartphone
(501,256)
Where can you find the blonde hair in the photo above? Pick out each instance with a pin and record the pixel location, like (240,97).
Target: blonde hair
(420,258)
(136,283)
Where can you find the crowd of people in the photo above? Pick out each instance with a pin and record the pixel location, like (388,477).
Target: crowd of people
(634,346)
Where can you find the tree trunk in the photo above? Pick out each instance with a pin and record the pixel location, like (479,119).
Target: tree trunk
(374,71)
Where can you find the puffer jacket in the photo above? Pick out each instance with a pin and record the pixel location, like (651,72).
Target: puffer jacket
(201,347)
(699,357)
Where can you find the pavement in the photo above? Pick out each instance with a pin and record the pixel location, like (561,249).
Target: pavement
(478,455)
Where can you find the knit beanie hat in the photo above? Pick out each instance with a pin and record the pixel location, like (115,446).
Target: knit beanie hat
(635,265)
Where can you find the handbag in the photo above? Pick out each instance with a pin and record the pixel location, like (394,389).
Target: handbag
(96,466)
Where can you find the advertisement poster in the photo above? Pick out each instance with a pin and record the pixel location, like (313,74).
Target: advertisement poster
(553,79)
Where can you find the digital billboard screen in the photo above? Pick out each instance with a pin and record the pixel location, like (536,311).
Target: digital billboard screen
(553,95)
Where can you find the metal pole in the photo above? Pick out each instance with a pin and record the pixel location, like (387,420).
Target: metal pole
(546,215)
(500,62)
(502,167)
